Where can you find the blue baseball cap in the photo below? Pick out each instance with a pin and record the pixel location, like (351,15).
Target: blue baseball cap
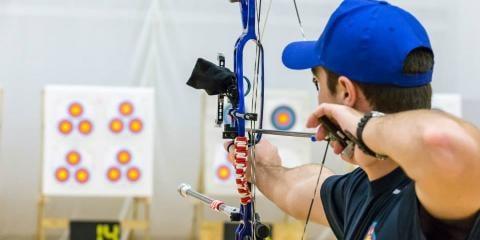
(367,41)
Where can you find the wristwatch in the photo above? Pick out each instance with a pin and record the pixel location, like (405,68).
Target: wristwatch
(360,127)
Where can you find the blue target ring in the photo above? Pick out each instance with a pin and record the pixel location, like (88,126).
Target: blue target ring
(283,118)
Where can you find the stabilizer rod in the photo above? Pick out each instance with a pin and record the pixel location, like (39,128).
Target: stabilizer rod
(185,190)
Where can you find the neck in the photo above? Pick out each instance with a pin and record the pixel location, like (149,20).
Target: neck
(379,169)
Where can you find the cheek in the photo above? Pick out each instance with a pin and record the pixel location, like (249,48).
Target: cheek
(324,96)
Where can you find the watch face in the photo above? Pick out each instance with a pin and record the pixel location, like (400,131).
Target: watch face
(377,114)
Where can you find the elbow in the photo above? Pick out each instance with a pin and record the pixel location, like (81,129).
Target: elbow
(292,207)
(448,149)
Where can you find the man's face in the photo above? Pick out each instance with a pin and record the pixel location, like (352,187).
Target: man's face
(324,93)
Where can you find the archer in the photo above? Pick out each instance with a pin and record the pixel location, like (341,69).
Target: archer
(418,168)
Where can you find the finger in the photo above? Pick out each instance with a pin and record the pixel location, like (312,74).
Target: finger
(324,109)
(337,147)
(228,146)
(322,133)
(312,121)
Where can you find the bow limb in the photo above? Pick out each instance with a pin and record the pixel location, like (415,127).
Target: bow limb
(249,226)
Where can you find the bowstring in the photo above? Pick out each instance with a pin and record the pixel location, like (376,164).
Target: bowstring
(253,124)
(299,19)
(315,191)
(266,20)
(261,31)
(302,31)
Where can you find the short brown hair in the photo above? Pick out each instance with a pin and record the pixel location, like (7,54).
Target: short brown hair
(392,99)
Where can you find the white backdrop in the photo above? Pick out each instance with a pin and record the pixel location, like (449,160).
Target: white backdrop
(155,43)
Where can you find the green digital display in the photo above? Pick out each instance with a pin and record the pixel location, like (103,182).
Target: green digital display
(95,230)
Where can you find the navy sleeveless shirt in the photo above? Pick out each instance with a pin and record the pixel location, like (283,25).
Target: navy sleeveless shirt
(387,208)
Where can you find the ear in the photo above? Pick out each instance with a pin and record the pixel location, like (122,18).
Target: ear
(347,91)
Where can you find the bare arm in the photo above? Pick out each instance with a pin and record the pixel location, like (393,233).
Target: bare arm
(291,189)
(440,152)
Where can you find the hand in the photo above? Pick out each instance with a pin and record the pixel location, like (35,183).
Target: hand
(347,119)
(266,155)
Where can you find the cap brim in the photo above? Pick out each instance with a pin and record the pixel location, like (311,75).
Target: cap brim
(300,55)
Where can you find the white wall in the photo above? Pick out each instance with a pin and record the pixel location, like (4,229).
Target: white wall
(122,42)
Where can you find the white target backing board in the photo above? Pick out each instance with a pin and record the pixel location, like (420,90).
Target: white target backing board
(219,175)
(98,141)
(218,172)
(288,110)
(448,102)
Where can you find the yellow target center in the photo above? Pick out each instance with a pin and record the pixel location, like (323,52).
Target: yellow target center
(85,127)
(75,109)
(116,125)
(65,127)
(283,118)
(114,174)
(133,174)
(223,173)
(73,158)
(126,109)
(82,176)
(136,125)
(62,174)
(124,157)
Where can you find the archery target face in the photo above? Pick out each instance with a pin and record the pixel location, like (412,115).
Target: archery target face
(287,110)
(220,179)
(283,118)
(98,141)
(72,168)
(223,170)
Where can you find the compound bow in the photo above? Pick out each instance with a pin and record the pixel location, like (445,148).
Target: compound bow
(244,140)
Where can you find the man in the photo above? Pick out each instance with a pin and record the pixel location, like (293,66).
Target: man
(419,170)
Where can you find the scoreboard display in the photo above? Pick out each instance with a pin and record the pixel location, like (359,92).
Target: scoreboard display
(95,230)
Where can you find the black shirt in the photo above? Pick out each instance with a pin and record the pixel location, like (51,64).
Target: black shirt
(386,208)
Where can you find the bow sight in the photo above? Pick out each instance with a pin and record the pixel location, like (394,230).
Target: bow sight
(221,81)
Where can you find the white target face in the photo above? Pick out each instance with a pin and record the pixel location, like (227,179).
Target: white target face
(98,141)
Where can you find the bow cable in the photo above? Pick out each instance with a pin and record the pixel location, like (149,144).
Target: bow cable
(315,191)
(258,69)
(253,124)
